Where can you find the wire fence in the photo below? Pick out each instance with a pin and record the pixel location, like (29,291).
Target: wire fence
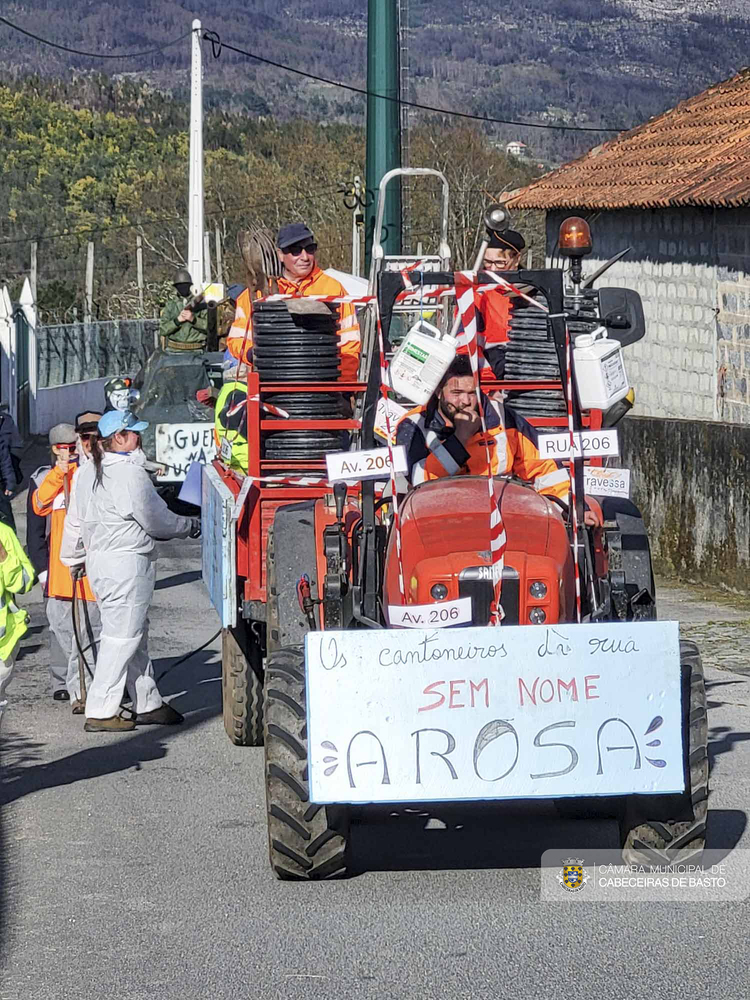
(76,352)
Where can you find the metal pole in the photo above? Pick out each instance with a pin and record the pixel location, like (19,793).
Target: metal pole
(88,311)
(219,257)
(195,263)
(207,255)
(139,266)
(356,220)
(383,122)
(34,268)
(28,305)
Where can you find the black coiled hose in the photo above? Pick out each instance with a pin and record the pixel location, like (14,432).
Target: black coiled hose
(292,346)
(531,356)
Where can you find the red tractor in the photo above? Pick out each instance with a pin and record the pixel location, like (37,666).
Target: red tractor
(287,557)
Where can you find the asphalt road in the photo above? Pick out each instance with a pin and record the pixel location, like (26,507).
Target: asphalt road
(135,866)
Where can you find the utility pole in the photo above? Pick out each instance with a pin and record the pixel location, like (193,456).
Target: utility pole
(207,256)
(34,269)
(88,311)
(219,257)
(195,262)
(383,121)
(139,270)
(357,220)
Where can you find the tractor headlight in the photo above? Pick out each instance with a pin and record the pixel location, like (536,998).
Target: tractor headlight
(537,616)
(538,590)
(438,591)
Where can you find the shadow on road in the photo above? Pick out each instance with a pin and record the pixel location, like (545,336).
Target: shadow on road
(497,837)
(178,579)
(23,774)
(25,771)
(476,837)
(723,739)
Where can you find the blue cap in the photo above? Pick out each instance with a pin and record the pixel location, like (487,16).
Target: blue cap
(120,420)
(295,232)
(234,292)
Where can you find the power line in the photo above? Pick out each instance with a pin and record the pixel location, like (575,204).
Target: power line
(228,211)
(215,213)
(217,45)
(92,55)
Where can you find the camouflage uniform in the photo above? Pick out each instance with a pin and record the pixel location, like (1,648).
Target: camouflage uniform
(175,333)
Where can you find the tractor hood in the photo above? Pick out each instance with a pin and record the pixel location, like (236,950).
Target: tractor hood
(447,515)
(445,541)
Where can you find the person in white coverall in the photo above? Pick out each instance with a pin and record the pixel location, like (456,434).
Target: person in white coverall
(114,520)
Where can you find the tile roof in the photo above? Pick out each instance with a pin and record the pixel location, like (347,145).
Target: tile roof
(694,154)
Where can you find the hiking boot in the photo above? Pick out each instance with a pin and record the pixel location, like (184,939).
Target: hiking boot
(61,695)
(114,725)
(78,707)
(165,715)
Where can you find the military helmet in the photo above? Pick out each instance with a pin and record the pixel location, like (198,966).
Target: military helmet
(182,277)
(119,382)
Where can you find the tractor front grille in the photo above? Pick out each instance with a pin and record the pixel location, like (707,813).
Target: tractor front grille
(476,582)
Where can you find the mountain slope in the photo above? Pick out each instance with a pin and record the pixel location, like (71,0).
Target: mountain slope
(585,62)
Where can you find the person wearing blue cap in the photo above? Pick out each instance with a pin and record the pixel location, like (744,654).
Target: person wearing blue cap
(114,520)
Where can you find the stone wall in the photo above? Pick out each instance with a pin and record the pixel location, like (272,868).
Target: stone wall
(692,270)
(691,480)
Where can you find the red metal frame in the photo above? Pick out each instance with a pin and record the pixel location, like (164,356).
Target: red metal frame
(262,500)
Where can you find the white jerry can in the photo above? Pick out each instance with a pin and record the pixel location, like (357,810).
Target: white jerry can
(421,360)
(600,374)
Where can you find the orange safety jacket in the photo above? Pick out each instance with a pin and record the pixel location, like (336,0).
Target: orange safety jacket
(48,500)
(316,283)
(434,451)
(493,319)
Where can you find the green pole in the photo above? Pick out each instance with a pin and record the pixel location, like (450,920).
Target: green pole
(383,123)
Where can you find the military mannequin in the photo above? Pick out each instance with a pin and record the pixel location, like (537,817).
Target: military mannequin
(182,328)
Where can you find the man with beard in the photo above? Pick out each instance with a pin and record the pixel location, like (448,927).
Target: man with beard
(444,438)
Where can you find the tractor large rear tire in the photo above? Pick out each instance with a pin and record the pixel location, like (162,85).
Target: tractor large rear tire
(303,843)
(666,842)
(241,692)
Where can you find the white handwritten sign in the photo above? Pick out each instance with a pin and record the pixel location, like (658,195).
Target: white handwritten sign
(557,446)
(441,614)
(606,482)
(179,445)
(494,713)
(348,466)
(387,414)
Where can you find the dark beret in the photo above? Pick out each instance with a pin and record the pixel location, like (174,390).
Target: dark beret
(508,240)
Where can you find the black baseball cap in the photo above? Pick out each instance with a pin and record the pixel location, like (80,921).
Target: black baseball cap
(295,232)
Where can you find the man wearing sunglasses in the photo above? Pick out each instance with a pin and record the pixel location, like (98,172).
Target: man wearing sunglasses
(301,275)
(503,253)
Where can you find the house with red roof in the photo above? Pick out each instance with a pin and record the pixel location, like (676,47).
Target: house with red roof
(676,190)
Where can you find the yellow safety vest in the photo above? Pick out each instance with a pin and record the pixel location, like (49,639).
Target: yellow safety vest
(16,577)
(232,445)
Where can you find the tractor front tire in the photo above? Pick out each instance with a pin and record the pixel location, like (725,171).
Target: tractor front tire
(303,842)
(656,842)
(241,693)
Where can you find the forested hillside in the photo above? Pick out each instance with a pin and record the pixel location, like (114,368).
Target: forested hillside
(102,159)
(588,62)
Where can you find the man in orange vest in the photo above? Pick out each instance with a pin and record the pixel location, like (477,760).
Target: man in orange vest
(50,499)
(297,248)
(503,253)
